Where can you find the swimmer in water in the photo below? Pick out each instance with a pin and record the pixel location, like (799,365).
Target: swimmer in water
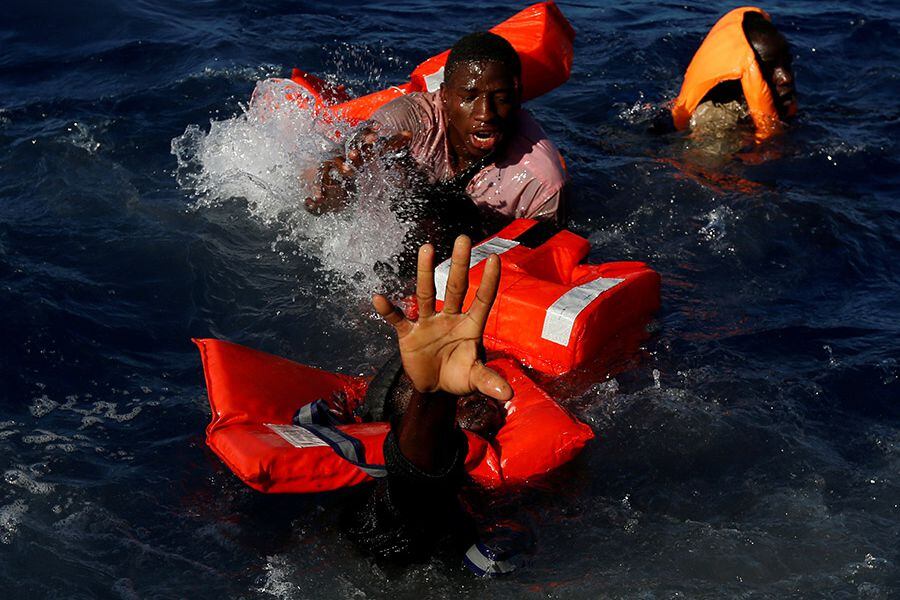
(730,83)
(412,510)
(482,159)
(389,393)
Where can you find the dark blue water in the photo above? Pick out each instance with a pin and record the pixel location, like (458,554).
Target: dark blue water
(753,451)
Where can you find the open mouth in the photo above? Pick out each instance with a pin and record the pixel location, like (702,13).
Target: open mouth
(486,141)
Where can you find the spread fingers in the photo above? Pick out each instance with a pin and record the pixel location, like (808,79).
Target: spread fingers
(458,279)
(425,281)
(391,314)
(487,292)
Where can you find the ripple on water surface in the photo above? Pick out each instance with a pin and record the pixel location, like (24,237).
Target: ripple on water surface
(749,449)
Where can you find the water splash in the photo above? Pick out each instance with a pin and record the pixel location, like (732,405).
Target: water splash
(268,156)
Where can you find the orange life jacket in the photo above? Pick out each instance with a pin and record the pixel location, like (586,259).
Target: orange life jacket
(540,34)
(726,55)
(255,397)
(552,312)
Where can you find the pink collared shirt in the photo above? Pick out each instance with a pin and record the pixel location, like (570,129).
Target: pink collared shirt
(525,179)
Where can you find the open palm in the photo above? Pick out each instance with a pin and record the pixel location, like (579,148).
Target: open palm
(441,351)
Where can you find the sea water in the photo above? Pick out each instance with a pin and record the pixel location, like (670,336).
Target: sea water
(751,449)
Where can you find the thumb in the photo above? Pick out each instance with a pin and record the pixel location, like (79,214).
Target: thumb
(489,382)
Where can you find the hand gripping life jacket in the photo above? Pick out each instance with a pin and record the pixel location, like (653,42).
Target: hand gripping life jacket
(540,34)
(552,312)
(726,55)
(266,428)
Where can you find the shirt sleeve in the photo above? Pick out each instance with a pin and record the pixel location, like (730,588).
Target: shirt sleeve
(401,114)
(542,202)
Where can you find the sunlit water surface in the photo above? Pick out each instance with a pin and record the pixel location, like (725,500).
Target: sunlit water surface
(751,450)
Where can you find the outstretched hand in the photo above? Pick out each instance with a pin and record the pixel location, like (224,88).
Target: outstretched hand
(440,351)
(336,179)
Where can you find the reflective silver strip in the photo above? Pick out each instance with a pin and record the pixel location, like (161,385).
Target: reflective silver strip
(347,447)
(373,471)
(480,254)
(560,317)
(340,443)
(304,415)
(433,82)
(485,566)
(298,437)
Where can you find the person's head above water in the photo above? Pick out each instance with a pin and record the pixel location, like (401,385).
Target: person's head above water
(743,58)
(481,94)
(773,55)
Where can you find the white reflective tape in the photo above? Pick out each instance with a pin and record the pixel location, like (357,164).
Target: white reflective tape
(296,436)
(480,254)
(485,566)
(433,82)
(560,317)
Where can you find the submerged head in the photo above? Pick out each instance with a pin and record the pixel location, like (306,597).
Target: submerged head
(773,55)
(481,94)
(476,412)
(480,414)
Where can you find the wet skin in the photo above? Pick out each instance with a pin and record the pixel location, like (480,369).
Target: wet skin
(480,414)
(441,353)
(480,100)
(475,412)
(773,54)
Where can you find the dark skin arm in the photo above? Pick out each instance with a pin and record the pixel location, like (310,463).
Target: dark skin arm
(440,353)
(336,183)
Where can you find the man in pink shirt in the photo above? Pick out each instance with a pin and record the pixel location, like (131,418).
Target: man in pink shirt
(471,137)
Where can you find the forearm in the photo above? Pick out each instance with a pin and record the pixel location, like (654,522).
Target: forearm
(425,434)
(334,188)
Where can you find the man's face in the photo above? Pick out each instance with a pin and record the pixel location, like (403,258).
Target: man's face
(480,100)
(774,57)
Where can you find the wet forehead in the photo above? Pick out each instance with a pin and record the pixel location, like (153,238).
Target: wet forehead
(770,47)
(482,76)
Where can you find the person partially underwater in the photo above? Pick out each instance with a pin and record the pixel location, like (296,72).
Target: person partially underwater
(737,96)
(741,75)
(439,384)
(473,159)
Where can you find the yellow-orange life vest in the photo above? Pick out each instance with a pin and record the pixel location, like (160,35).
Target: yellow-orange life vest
(726,55)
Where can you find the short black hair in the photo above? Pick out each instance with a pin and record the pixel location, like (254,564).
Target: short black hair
(756,26)
(483,46)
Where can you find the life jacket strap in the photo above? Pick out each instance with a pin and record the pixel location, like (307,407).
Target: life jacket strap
(318,420)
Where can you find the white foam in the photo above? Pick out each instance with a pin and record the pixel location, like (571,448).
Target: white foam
(269,155)
(10,517)
(50,441)
(42,406)
(101,411)
(19,478)
(276,579)
(82,136)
